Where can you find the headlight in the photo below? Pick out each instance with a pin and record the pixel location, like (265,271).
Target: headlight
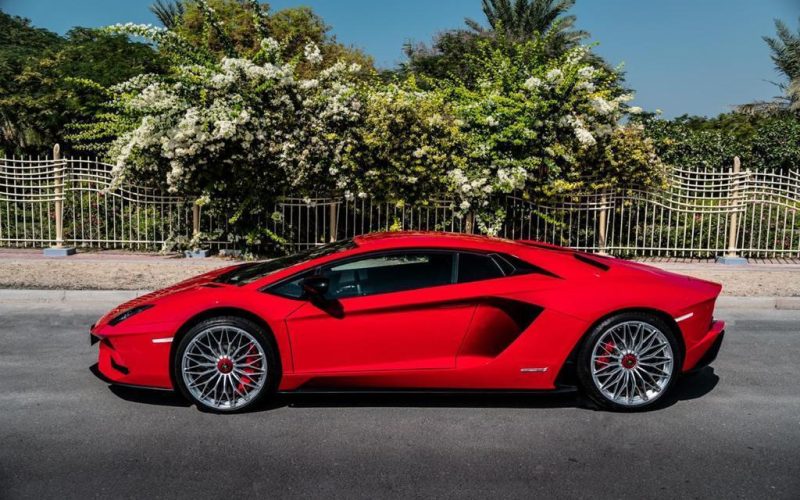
(119,318)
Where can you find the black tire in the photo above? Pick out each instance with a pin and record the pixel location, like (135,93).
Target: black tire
(590,387)
(266,345)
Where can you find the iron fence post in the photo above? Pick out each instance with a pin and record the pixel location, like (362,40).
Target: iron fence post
(469,222)
(195,219)
(732,257)
(603,224)
(196,252)
(333,220)
(733,229)
(59,193)
(59,173)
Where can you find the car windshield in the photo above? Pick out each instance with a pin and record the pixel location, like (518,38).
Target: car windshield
(247,273)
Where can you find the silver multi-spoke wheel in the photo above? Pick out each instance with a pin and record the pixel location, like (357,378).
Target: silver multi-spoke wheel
(224,367)
(632,363)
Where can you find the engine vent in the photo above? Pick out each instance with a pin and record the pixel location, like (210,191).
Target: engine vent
(592,262)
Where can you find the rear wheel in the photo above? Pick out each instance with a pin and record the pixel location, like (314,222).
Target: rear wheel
(225,365)
(629,362)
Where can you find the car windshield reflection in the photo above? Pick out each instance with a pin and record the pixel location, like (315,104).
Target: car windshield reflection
(248,273)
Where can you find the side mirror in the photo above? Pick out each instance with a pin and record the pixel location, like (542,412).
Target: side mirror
(315,286)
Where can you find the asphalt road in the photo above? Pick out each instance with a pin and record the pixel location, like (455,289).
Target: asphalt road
(733,431)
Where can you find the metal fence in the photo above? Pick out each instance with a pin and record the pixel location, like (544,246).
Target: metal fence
(45,201)
(698,213)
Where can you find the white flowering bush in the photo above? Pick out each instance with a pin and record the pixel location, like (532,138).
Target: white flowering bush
(234,132)
(239,131)
(235,124)
(245,127)
(540,126)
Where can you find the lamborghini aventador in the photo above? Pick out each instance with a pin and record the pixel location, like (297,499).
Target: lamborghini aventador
(417,312)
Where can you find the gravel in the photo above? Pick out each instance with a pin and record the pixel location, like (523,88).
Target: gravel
(101,274)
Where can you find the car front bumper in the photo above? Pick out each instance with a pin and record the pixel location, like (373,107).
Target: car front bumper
(133,360)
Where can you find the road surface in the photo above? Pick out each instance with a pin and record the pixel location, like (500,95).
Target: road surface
(731,431)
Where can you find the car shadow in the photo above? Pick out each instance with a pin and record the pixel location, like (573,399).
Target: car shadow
(689,387)
(694,385)
(141,395)
(149,396)
(561,399)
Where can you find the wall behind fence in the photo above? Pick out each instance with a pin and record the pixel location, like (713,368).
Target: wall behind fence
(701,213)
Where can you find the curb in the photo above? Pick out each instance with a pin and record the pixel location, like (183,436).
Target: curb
(104,297)
(16,296)
(781,303)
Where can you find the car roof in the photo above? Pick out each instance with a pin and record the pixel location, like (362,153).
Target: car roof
(429,239)
(551,257)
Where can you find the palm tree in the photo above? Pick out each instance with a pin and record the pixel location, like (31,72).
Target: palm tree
(785,47)
(523,19)
(168,12)
(785,50)
(786,55)
(509,21)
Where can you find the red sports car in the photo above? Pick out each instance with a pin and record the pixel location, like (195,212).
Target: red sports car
(416,311)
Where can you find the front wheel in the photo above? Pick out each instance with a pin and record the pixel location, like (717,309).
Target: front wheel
(629,362)
(225,365)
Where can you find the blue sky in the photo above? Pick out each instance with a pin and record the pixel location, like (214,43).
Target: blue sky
(681,56)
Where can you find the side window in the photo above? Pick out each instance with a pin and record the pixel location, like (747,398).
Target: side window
(395,272)
(512,266)
(291,289)
(475,267)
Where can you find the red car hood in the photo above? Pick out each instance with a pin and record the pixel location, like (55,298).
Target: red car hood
(184,286)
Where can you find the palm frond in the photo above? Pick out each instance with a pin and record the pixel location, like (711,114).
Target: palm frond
(785,47)
(524,19)
(475,26)
(763,108)
(169,13)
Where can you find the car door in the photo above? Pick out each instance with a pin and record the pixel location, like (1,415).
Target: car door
(386,311)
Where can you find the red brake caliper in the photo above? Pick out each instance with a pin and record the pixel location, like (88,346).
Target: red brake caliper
(250,361)
(604,360)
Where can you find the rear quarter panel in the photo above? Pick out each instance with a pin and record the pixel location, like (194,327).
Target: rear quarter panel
(688,302)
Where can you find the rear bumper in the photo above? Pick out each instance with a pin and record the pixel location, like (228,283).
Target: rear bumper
(711,353)
(706,350)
